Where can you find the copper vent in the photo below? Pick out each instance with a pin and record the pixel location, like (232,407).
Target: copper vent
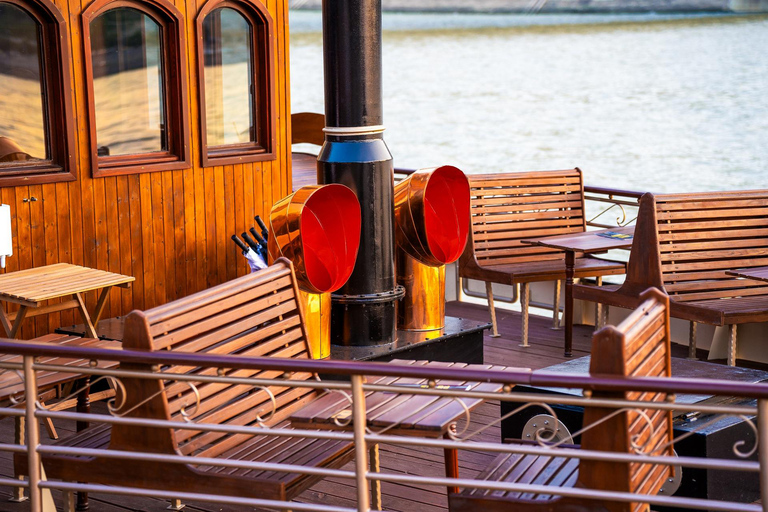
(431,226)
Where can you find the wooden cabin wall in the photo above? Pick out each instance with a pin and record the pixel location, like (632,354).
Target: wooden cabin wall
(170,229)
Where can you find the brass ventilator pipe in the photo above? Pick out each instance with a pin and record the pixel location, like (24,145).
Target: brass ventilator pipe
(318,229)
(431,227)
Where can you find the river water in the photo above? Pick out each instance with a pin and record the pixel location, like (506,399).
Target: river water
(638,102)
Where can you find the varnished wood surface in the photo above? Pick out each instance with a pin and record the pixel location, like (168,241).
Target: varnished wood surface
(168,229)
(256,315)
(638,347)
(546,350)
(685,244)
(586,242)
(399,414)
(512,207)
(53,281)
(760,273)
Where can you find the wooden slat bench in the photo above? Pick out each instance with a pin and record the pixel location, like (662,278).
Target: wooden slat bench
(684,244)
(254,315)
(639,346)
(507,208)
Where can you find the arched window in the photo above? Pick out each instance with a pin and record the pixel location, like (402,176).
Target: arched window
(236,82)
(36,143)
(136,78)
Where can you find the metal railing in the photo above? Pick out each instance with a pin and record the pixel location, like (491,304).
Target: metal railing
(750,455)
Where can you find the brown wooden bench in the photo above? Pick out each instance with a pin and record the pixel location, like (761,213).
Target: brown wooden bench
(507,208)
(254,315)
(684,244)
(639,346)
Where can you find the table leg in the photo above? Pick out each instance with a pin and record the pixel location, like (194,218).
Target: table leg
(100,305)
(375,464)
(90,332)
(570,263)
(14,330)
(4,320)
(451,464)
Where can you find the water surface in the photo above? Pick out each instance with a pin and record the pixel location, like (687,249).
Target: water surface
(649,102)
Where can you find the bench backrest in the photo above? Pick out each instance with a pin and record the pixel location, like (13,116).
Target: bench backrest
(506,208)
(638,347)
(255,315)
(684,243)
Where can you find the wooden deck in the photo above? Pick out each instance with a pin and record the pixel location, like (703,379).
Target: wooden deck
(546,349)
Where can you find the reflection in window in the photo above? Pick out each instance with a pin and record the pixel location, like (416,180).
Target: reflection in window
(22,118)
(128,83)
(228,72)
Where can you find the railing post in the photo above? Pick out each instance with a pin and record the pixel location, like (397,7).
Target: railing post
(762,447)
(361,451)
(33,435)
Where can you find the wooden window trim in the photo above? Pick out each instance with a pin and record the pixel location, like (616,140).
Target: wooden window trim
(57,108)
(262,42)
(174,47)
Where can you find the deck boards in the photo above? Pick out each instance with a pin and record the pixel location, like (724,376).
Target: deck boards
(546,349)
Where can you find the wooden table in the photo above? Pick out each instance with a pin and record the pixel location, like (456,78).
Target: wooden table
(756,273)
(29,288)
(587,242)
(397,413)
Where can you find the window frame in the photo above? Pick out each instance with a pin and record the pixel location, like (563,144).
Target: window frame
(174,59)
(57,106)
(263,84)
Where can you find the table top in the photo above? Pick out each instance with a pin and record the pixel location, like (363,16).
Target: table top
(758,273)
(588,241)
(398,413)
(35,285)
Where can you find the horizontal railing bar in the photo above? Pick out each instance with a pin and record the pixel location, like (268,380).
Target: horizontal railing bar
(12,482)
(571,492)
(612,191)
(507,397)
(531,398)
(189,377)
(191,496)
(537,378)
(198,461)
(609,200)
(525,449)
(9,411)
(14,448)
(696,462)
(209,427)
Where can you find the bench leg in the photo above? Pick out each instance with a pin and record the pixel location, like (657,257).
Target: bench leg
(732,345)
(692,342)
(176,504)
(18,438)
(598,307)
(374,461)
(451,464)
(69,501)
(556,306)
(525,298)
(489,296)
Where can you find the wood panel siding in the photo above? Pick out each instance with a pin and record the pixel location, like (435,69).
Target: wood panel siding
(168,229)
